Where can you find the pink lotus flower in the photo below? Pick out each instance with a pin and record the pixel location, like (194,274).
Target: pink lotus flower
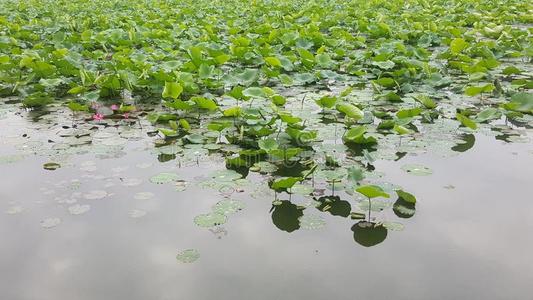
(126,115)
(114,107)
(98,117)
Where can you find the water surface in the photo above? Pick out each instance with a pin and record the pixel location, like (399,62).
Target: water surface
(469,239)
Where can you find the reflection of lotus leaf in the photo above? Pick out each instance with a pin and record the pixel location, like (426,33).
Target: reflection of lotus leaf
(334,205)
(369,234)
(376,205)
(403,209)
(285,216)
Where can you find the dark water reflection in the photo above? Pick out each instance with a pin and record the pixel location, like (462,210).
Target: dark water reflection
(469,239)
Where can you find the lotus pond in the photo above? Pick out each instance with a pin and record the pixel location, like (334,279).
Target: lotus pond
(266,149)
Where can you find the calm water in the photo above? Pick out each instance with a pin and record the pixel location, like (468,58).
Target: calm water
(469,239)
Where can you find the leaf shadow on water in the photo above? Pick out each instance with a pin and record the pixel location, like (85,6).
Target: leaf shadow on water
(403,209)
(290,169)
(285,216)
(359,149)
(469,141)
(369,234)
(165,157)
(334,205)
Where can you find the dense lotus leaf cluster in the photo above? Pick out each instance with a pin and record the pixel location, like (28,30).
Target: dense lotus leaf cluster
(309,94)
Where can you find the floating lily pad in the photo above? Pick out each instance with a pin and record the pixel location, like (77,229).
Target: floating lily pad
(302,189)
(264,167)
(163,178)
(88,166)
(95,195)
(311,221)
(131,181)
(188,256)
(78,209)
(170,149)
(376,205)
(210,219)
(227,206)
(137,213)
(9,159)
(50,222)
(418,170)
(225,175)
(13,210)
(143,196)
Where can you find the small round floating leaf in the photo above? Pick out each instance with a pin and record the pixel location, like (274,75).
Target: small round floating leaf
(210,219)
(225,175)
(137,213)
(13,210)
(95,195)
(79,209)
(227,206)
(302,189)
(9,159)
(188,256)
(418,170)
(50,222)
(164,177)
(311,221)
(143,196)
(264,167)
